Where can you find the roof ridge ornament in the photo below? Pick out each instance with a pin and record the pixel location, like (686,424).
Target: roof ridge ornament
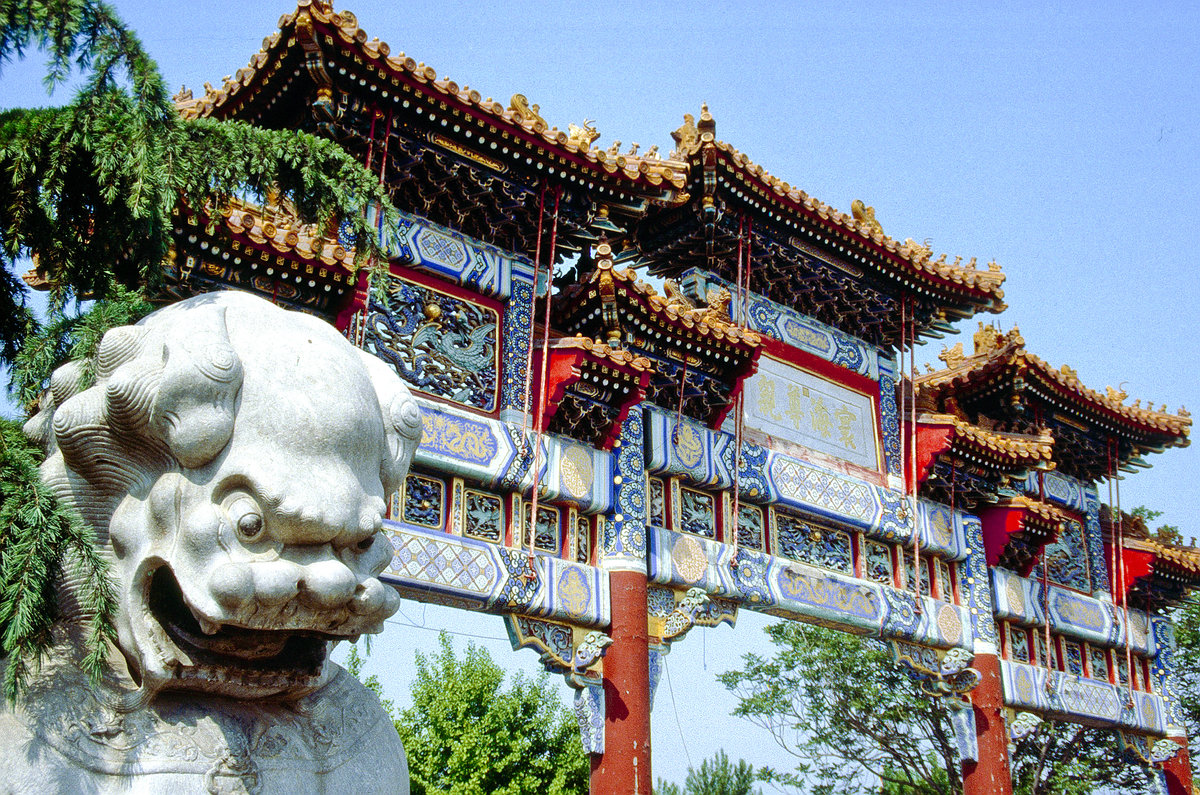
(582,136)
(687,138)
(865,216)
(527,114)
(953,357)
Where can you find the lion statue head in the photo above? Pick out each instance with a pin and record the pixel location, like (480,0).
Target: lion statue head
(233,459)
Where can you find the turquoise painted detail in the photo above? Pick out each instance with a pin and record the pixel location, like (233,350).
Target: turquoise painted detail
(789,326)
(422,244)
(1077,697)
(434,566)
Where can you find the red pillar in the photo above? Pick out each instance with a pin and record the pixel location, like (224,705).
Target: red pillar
(624,767)
(1179,770)
(991,774)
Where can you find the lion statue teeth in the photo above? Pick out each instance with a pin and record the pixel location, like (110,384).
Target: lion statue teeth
(234,460)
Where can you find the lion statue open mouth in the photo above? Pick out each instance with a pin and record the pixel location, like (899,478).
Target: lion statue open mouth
(234,460)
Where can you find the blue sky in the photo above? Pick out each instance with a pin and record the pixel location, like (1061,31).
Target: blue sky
(1060,139)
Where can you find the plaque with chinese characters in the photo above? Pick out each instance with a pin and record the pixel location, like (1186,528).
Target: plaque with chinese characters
(802,407)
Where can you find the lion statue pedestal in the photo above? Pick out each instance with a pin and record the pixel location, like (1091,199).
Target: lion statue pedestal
(233,459)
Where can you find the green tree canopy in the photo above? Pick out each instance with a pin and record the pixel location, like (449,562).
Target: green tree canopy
(89,188)
(466,733)
(856,721)
(715,776)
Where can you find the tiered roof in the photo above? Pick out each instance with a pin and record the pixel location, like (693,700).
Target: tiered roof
(696,351)
(1018,391)
(974,461)
(590,387)
(482,167)
(1158,572)
(836,267)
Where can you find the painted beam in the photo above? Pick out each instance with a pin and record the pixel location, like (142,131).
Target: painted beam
(1079,699)
(1097,621)
(786,588)
(434,566)
(499,454)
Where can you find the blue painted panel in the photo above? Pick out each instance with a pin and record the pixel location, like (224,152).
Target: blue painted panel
(479,266)
(434,566)
(1073,614)
(497,454)
(790,589)
(1077,697)
(789,326)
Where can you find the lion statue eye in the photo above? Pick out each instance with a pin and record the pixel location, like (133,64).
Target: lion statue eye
(246,517)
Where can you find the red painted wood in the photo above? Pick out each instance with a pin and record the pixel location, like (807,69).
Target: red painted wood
(990,775)
(624,767)
(1138,564)
(933,439)
(1179,770)
(998,525)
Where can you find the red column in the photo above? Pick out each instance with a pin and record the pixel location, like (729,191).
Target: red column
(990,775)
(1179,770)
(624,767)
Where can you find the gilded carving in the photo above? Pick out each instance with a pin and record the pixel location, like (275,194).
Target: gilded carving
(458,437)
(575,467)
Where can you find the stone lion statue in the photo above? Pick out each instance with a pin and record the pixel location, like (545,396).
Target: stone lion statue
(233,459)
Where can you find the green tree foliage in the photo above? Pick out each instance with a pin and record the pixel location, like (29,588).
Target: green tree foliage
(857,722)
(1187,668)
(70,336)
(90,187)
(1166,534)
(468,734)
(716,776)
(37,536)
(354,665)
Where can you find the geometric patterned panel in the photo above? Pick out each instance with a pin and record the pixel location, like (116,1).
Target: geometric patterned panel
(787,325)
(789,589)
(435,566)
(472,263)
(450,566)
(798,482)
(1076,697)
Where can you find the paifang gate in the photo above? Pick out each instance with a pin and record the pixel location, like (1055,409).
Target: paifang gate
(616,464)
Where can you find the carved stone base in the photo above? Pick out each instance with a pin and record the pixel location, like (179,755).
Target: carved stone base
(65,736)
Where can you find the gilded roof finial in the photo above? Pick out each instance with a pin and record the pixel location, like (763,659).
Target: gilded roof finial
(687,138)
(986,339)
(866,216)
(615,149)
(652,153)
(184,94)
(707,123)
(953,357)
(676,298)
(583,136)
(524,112)
(633,149)
(1116,395)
